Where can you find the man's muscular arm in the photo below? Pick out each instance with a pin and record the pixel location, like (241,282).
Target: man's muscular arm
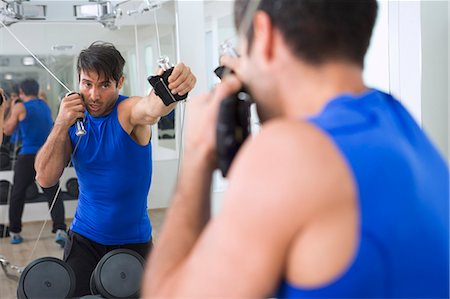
(52,157)
(54,154)
(137,113)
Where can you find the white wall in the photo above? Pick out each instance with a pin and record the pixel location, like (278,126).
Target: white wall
(435,77)
(165,174)
(418,64)
(405,57)
(376,64)
(191,39)
(39,37)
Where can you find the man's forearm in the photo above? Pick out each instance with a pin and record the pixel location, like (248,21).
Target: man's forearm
(186,219)
(52,157)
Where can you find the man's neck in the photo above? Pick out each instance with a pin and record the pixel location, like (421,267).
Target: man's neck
(309,88)
(28,98)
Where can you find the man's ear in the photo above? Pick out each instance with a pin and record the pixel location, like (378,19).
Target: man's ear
(120,83)
(263,36)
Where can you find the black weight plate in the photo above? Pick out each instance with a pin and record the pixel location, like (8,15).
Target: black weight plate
(92,284)
(4,231)
(72,187)
(119,273)
(4,191)
(5,161)
(46,277)
(4,149)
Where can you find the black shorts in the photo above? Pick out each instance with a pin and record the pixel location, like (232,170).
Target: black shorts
(83,254)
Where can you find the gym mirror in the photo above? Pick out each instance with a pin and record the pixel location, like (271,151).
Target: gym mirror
(141,30)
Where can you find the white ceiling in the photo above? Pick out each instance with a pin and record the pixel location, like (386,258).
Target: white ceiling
(62,29)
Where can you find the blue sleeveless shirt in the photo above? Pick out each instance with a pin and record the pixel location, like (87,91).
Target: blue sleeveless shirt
(36,126)
(403,196)
(114,175)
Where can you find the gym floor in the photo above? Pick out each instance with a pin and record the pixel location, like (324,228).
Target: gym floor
(19,255)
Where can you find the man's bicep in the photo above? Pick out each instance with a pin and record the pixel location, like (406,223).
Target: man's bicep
(12,121)
(129,113)
(126,112)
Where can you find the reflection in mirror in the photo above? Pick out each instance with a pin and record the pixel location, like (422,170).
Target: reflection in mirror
(140,30)
(219,27)
(166,126)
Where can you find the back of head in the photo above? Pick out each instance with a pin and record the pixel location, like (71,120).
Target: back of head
(7,93)
(29,87)
(319,31)
(102,58)
(15,88)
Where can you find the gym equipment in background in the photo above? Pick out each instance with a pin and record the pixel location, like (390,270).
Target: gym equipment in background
(72,187)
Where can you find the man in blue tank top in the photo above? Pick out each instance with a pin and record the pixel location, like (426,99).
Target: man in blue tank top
(33,119)
(112,161)
(341,194)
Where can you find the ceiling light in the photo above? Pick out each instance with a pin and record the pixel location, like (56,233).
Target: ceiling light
(28,60)
(86,11)
(33,12)
(62,47)
(99,11)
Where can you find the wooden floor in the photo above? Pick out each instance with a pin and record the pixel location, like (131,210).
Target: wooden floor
(20,255)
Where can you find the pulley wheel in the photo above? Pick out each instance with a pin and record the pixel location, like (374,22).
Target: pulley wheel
(72,187)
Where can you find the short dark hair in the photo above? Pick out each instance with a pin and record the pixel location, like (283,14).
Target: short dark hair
(29,87)
(102,58)
(319,30)
(15,89)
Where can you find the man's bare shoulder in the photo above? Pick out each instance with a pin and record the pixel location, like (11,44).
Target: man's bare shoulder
(125,107)
(127,103)
(19,107)
(18,111)
(293,161)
